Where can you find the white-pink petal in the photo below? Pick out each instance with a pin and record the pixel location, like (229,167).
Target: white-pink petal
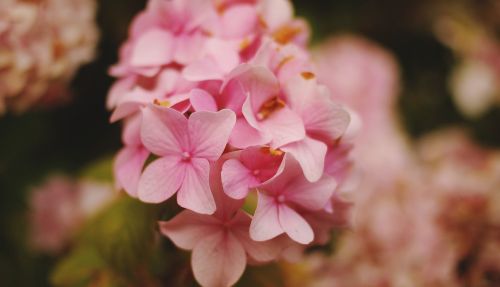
(202,101)
(209,132)
(195,193)
(310,154)
(164,131)
(265,223)
(244,135)
(187,227)
(128,166)
(161,179)
(153,48)
(237,179)
(295,225)
(284,126)
(218,260)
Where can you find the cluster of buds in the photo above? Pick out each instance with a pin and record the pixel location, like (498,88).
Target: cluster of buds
(221,96)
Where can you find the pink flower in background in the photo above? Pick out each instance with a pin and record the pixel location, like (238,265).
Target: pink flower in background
(59,208)
(475,77)
(42,45)
(186,148)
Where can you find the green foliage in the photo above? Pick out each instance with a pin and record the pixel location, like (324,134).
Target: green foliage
(269,275)
(114,247)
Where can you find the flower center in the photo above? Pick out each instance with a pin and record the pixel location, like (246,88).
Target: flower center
(272,105)
(280,198)
(256,172)
(186,156)
(271,151)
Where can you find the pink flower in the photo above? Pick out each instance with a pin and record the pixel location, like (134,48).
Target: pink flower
(220,258)
(59,207)
(279,199)
(186,148)
(324,122)
(42,45)
(252,167)
(167,88)
(266,111)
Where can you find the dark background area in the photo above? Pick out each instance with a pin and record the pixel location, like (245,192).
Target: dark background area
(68,138)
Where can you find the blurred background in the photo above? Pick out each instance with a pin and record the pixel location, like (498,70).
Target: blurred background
(431,41)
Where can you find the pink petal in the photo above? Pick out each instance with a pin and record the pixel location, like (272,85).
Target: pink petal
(239,21)
(209,132)
(265,223)
(237,179)
(284,126)
(310,154)
(202,70)
(187,48)
(262,161)
(161,179)
(118,89)
(260,85)
(131,103)
(128,167)
(294,225)
(195,193)
(218,260)
(226,206)
(202,101)
(322,117)
(244,135)
(224,53)
(131,134)
(260,251)
(313,196)
(288,171)
(164,130)
(276,12)
(187,227)
(153,48)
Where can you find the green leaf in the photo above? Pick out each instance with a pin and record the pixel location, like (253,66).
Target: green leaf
(123,234)
(78,268)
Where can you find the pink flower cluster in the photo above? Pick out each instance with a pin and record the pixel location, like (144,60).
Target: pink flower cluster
(223,96)
(42,45)
(424,215)
(59,207)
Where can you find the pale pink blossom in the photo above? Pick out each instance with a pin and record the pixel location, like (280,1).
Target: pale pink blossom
(282,198)
(59,207)
(220,258)
(42,45)
(186,148)
(249,168)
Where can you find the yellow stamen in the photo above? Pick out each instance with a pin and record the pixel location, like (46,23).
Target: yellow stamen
(271,151)
(285,34)
(308,75)
(284,61)
(245,44)
(164,103)
(270,107)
